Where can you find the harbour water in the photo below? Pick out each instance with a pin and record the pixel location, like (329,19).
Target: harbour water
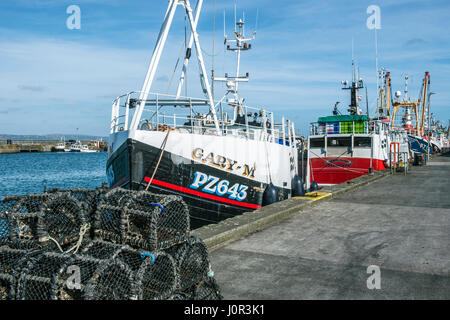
(24,173)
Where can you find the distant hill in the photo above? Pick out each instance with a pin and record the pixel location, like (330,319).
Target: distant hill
(51,137)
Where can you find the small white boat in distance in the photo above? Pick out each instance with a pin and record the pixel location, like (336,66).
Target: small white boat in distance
(61,146)
(78,147)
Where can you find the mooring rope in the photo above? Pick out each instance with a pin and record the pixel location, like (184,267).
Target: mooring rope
(159,160)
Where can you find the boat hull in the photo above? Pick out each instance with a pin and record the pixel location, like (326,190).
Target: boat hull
(331,171)
(212,191)
(419,145)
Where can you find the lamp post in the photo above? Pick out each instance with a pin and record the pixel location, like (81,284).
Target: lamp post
(429,125)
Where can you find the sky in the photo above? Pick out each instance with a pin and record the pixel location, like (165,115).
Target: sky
(54,79)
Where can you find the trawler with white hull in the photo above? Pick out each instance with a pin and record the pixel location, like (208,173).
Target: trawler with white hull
(223,157)
(345,147)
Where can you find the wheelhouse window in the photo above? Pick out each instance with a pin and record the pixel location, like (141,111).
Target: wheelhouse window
(317,143)
(362,142)
(339,142)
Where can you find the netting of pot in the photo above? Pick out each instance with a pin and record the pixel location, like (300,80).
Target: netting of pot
(22,217)
(71,279)
(157,277)
(63,221)
(192,261)
(9,270)
(35,280)
(113,280)
(173,224)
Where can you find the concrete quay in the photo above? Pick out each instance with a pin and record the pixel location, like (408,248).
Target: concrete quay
(322,248)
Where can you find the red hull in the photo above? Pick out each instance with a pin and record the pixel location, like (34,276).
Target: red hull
(336,171)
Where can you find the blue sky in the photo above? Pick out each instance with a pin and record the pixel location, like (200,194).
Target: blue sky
(54,80)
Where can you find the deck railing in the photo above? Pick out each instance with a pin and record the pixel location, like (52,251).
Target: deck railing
(191,115)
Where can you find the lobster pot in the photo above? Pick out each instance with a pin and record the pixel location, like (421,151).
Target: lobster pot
(156,278)
(179,296)
(88,198)
(142,219)
(107,250)
(62,219)
(4,223)
(7,286)
(192,262)
(113,280)
(20,219)
(71,279)
(9,267)
(100,249)
(172,214)
(208,290)
(110,220)
(35,281)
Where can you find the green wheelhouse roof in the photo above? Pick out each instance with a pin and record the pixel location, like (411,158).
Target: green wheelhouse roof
(342,118)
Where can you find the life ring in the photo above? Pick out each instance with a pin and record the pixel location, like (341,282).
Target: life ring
(268,124)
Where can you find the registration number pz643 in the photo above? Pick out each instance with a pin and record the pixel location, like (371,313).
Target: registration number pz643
(220,187)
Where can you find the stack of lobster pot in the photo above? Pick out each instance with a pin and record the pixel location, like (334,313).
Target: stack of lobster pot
(101,245)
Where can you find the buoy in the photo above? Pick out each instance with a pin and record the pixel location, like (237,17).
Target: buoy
(270,195)
(297,187)
(314,186)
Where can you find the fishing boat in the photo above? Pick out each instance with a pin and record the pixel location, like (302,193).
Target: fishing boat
(222,156)
(344,147)
(413,118)
(60,146)
(79,147)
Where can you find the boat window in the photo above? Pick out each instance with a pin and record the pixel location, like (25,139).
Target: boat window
(362,142)
(339,142)
(317,143)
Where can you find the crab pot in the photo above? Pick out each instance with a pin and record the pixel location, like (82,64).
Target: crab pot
(7,287)
(100,249)
(171,212)
(62,219)
(4,228)
(208,290)
(26,204)
(35,281)
(117,197)
(88,198)
(9,266)
(192,262)
(113,280)
(107,250)
(156,278)
(161,220)
(70,280)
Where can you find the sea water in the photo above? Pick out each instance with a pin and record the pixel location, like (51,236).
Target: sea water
(24,173)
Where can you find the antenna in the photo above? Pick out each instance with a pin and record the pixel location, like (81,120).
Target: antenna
(224,26)
(235,5)
(256,24)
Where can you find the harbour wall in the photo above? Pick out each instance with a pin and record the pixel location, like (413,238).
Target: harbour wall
(39,146)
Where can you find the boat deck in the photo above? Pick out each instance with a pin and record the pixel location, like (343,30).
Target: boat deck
(399,223)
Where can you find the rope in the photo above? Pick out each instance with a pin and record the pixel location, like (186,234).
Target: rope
(159,160)
(83,230)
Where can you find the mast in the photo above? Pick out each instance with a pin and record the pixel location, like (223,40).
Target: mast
(237,44)
(157,52)
(354,87)
(426,82)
